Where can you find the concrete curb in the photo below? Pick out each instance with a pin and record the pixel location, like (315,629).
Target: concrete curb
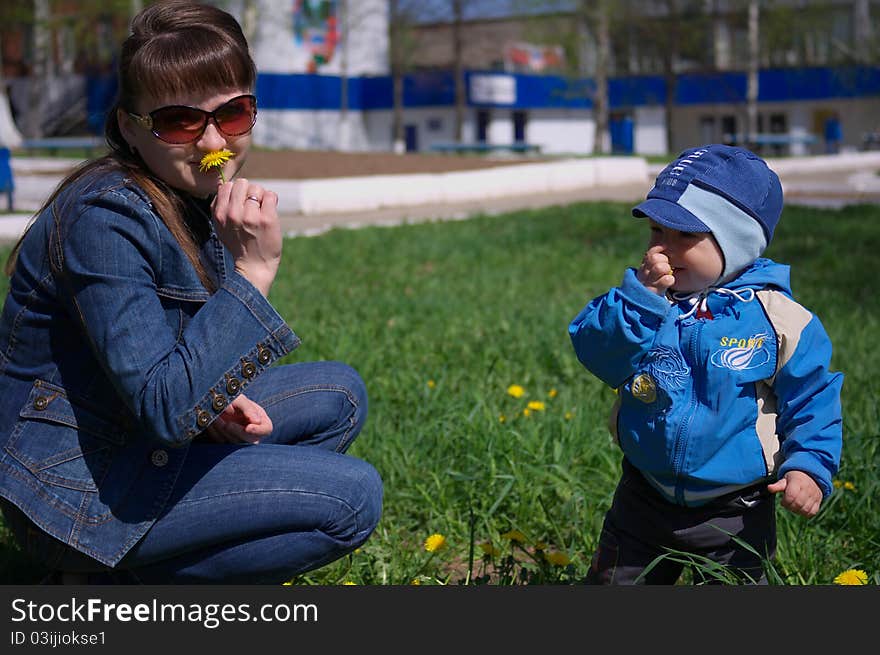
(314,205)
(375,192)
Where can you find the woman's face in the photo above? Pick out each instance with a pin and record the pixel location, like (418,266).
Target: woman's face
(178,164)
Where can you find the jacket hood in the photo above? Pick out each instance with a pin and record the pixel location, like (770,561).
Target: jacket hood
(763,273)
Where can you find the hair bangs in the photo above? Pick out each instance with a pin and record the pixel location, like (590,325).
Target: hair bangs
(184,63)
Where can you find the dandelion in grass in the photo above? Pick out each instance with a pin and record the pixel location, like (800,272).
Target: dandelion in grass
(431,384)
(514,535)
(435,542)
(837,484)
(568,416)
(349,583)
(537,405)
(415,581)
(558,558)
(216,159)
(852,577)
(849,486)
(552,393)
(502,418)
(527,412)
(489,549)
(516,391)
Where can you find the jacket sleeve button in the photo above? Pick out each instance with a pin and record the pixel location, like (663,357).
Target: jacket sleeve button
(248,369)
(203,419)
(40,403)
(264,356)
(232,386)
(159,458)
(219,402)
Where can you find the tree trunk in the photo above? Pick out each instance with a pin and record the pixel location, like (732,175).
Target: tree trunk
(669,66)
(41,72)
(752,80)
(10,137)
(601,143)
(458,68)
(344,127)
(395,38)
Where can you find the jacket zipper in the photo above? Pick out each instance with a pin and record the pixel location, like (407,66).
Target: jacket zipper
(682,436)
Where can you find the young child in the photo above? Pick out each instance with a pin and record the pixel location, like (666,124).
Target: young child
(725,397)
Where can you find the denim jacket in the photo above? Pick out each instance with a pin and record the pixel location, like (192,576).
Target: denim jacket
(113,357)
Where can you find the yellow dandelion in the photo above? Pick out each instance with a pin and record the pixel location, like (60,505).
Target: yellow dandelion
(552,393)
(837,484)
(849,486)
(537,405)
(431,384)
(415,581)
(516,391)
(501,418)
(349,583)
(558,558)
(489,549)
(568,416)
(852,577)
(514,535)
(288,583)
(216,159)
(435,542)
(527,412)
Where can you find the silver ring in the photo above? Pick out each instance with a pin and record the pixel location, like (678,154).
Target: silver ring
(255,199)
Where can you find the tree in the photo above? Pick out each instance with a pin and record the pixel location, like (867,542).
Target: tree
(600,19)
(10,137)
(752,74)
(400,45)
(458,68)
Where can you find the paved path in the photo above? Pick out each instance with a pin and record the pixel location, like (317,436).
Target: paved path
(819,182)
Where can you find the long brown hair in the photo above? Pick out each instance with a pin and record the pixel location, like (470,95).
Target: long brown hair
(175,48)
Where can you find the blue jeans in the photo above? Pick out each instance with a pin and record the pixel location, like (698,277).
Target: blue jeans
(257,514)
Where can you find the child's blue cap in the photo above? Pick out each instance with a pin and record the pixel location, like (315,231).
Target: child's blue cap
(725,190)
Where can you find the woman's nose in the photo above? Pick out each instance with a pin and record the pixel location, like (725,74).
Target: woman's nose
(212,138)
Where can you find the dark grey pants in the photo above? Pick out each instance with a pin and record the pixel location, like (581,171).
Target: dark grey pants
(642,526)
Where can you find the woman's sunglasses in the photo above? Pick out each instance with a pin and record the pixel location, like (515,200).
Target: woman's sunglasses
(180,124)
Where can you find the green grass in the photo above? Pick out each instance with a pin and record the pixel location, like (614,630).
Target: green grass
(441,318)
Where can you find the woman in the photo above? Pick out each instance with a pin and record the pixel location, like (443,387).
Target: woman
(143,426)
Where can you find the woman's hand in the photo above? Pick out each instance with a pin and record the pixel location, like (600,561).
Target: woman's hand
(246,216)
(243,421)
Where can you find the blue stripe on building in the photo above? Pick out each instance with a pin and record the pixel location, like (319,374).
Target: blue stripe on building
(437,89)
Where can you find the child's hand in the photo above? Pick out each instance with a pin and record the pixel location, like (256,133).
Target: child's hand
(802,494)
(655,272)
(243,421)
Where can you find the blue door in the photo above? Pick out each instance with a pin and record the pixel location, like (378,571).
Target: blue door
(411,136)
(622,137)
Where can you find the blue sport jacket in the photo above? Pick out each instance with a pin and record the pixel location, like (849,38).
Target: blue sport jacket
(113,357)
(718,395)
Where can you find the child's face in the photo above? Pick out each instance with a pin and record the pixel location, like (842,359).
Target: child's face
(695,258)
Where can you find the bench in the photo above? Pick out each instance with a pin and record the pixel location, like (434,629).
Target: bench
(91,144)
(482,147)
(777,140)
